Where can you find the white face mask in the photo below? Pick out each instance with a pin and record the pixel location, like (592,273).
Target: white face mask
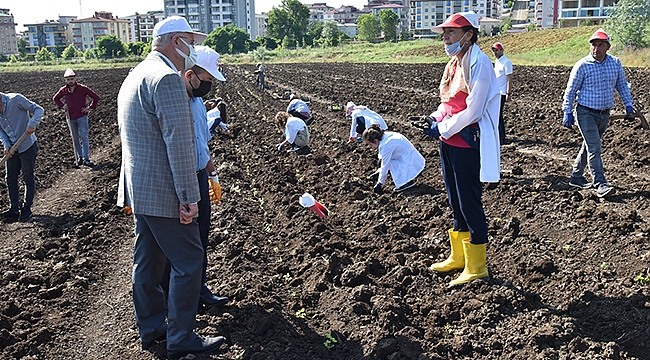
(190,59)
(454,48)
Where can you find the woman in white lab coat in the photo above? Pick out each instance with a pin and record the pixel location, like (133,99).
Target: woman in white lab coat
(362,118)
(397,155)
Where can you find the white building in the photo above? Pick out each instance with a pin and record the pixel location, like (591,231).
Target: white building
(8,40)
(85,32)
(142,25)
(401,11)
(261,19)
(207,15)
(581,12)
(546,13)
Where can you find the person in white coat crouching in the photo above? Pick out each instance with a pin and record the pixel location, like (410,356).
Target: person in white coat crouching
(397,155)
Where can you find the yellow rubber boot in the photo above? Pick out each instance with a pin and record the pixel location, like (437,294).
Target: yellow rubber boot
(456,259)
(475,267)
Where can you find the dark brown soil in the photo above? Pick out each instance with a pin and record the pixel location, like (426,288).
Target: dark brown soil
(564,264)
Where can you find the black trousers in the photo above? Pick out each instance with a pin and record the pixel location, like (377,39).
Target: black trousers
(24,163)
(502,124)
(460,171)
(204,218)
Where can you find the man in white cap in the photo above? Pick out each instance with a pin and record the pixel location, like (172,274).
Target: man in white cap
(503,72)
(72,97)
(467,125)
(158,182)
(198,83)
(591,84)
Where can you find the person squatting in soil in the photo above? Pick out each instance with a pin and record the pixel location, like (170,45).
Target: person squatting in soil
(296,132)
(158,182)
(466,122)
(503,72)
(204,73)
(72,97)
(397,155)
(361,119)
(591,84)
(217,114)
(19,118)
(298,108)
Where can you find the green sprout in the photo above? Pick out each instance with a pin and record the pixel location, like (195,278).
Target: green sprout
(604,266)
(301,314)
(643,279)
(330,341)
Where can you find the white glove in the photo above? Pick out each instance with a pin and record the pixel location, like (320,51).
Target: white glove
(223,126)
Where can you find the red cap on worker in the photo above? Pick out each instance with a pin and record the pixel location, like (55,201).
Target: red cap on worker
(458,20)
(600,34)
(497,46)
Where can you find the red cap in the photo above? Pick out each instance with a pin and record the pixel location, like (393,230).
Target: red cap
(497,45)
(458,20)
(600,34)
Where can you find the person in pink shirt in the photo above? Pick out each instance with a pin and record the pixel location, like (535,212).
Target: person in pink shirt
(73,98)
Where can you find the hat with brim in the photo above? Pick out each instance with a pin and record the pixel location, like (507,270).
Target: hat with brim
(208,60)
(458,20)
(600,34)
(177,24)
(69,73)
(497,46)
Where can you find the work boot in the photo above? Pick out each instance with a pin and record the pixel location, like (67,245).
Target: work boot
(25,215)
(456,259)
(475,267)
(11,214)
(209,299)
(207,345)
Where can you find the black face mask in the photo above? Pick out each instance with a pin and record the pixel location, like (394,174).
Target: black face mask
(203,89)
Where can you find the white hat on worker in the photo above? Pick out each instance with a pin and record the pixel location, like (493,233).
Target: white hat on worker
(177,24)
(458,20)
(69,73)
(348,107)
(208,59)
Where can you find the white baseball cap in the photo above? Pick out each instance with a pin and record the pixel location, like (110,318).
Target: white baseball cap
(208,60)
(177,24)
(68,73)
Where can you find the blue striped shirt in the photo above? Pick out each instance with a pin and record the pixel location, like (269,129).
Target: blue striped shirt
(201,132)
(17,114)
(593,84)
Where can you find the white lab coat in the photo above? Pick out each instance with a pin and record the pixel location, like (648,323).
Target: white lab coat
(370,117)
(483,105)
(400,157)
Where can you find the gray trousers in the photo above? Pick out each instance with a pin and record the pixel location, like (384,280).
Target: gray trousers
(157,241)
(592,125)
(302,138)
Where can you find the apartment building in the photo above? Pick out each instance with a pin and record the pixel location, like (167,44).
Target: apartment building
(207,15)
(546,13)
(85,32)
(426,14)
(401,11)
(261,19)
(583,12)
(55,35)
(142,25)
(8,40)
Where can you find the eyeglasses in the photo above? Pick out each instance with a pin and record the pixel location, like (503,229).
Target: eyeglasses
(191,43)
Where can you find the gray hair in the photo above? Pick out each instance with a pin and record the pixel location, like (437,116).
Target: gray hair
(162,40)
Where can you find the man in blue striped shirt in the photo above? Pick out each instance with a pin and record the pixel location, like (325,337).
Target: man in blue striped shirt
(591,84)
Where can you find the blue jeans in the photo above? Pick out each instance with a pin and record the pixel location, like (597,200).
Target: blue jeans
(22,162)
(592,125)
(79,132)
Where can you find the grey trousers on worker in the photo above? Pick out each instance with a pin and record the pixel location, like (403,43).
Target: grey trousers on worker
(159,240)
(592,125)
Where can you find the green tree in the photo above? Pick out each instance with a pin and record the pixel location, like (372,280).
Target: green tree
(290,19)
(314,32)
(367,27)
(330,35)
(629,23)
(269,43)
(109,46)
(22,47)
(388,21)
(136,47)
(43,54)
(288,42)
(506,24)
(228,39)
(70,52)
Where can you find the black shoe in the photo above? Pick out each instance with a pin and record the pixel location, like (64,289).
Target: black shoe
(147,344)
(374,176)
(78,163)
(10,214)
(208,299)
(25,215)
(580,183)
(408,185)
(88,163)
(209,344)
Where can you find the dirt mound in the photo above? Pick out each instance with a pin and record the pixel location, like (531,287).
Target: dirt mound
(564,264)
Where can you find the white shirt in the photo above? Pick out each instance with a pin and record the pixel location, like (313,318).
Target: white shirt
(299,106)
(370,117)
(502,68)
(294,125)
(400,157)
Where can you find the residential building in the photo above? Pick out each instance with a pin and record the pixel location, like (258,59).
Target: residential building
(317,11)
(399,9)
(349,29)
(261,19)
(8,40)
(207,15)
(85,32)
(583,12)
(142,25)
(426,14)
(50,34)
(344,14)
(546,13)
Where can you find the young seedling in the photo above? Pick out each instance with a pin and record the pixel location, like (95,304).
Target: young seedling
(301,314)
(643,279)
(330,341)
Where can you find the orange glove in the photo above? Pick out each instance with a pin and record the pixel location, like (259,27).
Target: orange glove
(127,210)
(215,188)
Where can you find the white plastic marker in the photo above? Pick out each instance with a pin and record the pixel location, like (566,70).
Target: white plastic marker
(308,201)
